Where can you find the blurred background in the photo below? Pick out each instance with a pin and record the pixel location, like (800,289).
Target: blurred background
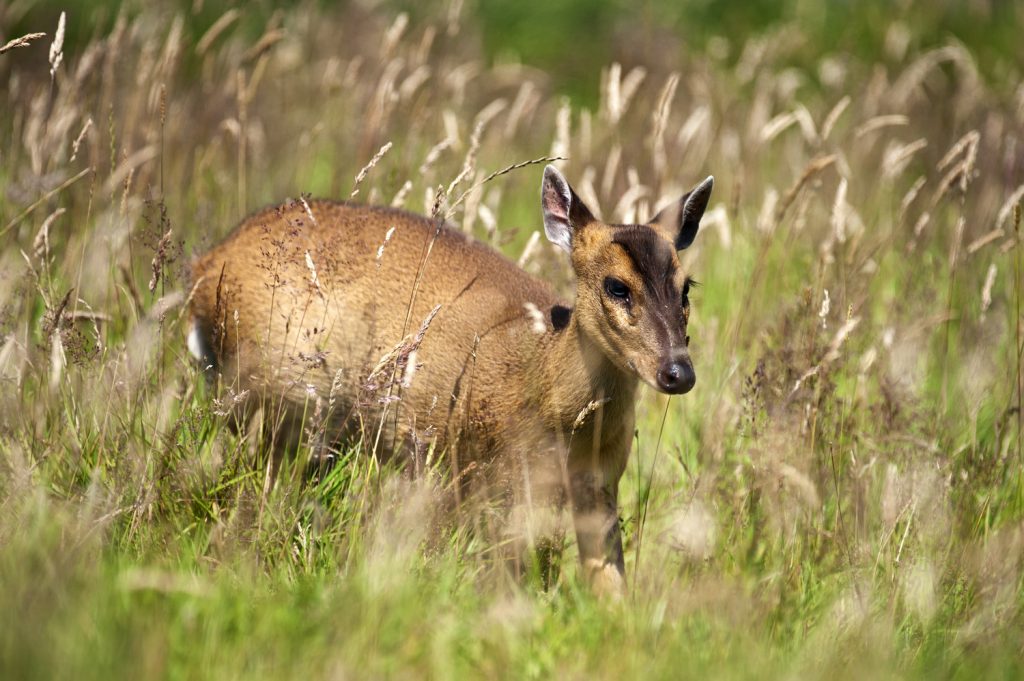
(842,494)
(572,40)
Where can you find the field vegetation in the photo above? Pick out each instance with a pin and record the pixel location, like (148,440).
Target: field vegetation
(840,496)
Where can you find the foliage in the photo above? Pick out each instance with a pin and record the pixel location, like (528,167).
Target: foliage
(841,495)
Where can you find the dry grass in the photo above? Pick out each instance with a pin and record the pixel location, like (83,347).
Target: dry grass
(841,494)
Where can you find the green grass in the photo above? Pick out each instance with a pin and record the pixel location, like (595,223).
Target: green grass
(841,495)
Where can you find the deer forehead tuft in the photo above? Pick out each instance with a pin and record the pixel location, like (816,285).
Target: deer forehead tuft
(653,256)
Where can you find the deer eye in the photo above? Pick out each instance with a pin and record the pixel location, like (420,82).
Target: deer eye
(616,289)
(687,283)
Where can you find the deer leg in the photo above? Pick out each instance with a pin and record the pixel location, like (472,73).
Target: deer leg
(596,518)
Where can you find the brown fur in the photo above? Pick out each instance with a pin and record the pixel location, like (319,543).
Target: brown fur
(492,391)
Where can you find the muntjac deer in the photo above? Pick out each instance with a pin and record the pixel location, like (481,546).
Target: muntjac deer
(481,362)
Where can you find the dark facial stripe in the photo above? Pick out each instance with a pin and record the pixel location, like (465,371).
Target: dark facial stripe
(653,259)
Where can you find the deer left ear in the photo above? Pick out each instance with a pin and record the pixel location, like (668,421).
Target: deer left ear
(683,217)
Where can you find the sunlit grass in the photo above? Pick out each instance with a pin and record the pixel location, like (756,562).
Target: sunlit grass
(841,495)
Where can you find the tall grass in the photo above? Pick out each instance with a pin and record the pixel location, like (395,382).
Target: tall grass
(840,495)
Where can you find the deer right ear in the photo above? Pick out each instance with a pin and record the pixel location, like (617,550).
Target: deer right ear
(556,202)
(564,213)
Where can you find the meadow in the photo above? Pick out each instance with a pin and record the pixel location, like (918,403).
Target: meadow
(841,495)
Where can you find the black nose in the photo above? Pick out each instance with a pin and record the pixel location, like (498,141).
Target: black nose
(676,378)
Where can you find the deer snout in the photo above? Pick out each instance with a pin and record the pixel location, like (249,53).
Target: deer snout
(675,376)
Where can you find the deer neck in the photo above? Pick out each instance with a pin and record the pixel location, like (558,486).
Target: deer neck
(577,374)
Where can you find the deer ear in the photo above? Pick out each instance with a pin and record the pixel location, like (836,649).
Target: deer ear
(683,217)
(563,211)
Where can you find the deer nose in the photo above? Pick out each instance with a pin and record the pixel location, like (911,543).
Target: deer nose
(676,378)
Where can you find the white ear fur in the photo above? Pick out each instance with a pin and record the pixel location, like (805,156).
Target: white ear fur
(555,201)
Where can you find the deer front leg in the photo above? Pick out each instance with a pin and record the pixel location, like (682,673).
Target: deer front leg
(595,515)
